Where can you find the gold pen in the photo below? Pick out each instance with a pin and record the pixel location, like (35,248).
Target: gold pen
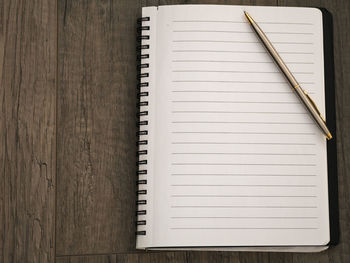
(304,97)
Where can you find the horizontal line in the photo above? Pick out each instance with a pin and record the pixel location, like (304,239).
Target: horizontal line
(287,23)
(236,92)
(253,143)
(245,112)
(220,61)
(248,217)
(247,185)
(288,33)
(208,21)
(242,122)
(281,175)
(251,164)
(239,61)
(221,132)
(243,32)
(231,91)
(240,51)
(240,22)
(221,153)
(234,81)
(253,228)
(238,41)
(228,101)
(237,206)
(239,71)
(214,41)
(289,196)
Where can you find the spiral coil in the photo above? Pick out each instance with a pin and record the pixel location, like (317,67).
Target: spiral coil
(142,123)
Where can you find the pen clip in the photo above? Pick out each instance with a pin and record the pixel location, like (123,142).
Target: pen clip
(314,105)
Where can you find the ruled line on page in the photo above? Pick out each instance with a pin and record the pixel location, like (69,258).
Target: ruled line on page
(233,91)
(234,101)
(241,22)
(252,228)
(215,41)
(239,71)
(252,143)
(244,217)
(223,132)
(242,51)
(237,61)
(239,41)
(246,185)
(252,196)
(240,81)
(240,153)
(243,32)
(244,164)
(244,112)
(244,122)
(262,175)
(240,206)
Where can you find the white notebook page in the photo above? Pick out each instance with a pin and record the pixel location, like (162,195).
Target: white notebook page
(238,160)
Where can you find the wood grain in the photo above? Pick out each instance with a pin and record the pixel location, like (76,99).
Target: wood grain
(153,257)
(96,126)
(28,39)
(93,122)
(87,259)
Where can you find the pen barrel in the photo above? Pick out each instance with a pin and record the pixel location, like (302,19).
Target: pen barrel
(308,103)
(313,111)
(274,54)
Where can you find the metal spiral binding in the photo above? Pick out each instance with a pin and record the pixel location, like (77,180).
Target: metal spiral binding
(142,123)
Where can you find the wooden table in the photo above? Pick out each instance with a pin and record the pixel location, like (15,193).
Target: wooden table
(67,132)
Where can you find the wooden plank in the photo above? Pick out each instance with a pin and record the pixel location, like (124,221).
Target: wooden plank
(87,259)
(153,257)
(96,126)
(213,257)
(28,48)
(150,2)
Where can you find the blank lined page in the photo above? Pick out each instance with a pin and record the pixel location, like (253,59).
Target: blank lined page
(239,161)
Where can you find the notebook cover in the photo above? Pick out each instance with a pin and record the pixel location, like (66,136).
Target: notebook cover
(331,124)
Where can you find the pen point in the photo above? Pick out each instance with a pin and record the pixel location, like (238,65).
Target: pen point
(250,19)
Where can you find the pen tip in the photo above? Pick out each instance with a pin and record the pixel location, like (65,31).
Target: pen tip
(250,19)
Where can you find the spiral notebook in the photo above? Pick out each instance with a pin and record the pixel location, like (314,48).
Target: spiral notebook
(229,159)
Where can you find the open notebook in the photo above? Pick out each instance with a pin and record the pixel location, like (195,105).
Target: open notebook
(229,157)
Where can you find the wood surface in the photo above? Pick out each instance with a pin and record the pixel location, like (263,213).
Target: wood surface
(96,126)
(67,133)
(28,58)
(87,259)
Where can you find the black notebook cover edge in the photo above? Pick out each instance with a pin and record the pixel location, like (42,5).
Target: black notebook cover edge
(331,124)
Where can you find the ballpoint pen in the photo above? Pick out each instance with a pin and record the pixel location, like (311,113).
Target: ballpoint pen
(302,94)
